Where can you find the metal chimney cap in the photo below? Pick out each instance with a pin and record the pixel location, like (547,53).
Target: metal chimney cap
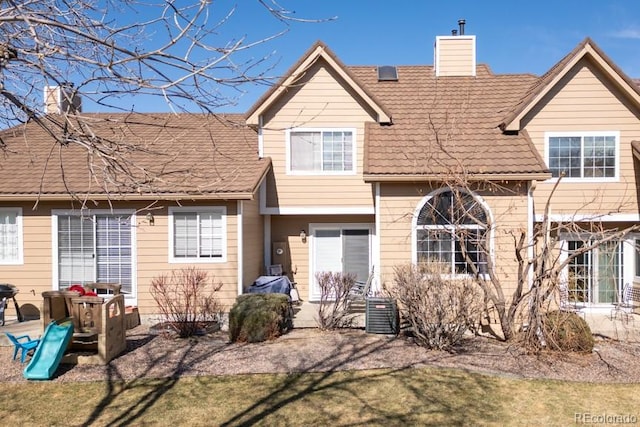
(461,23)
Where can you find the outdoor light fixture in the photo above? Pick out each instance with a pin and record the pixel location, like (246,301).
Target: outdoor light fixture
(150,219)
(303,236)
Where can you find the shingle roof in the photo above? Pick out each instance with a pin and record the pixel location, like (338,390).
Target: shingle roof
(174,156)
(447,125)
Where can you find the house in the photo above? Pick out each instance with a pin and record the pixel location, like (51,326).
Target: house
(186,196)
(342,168)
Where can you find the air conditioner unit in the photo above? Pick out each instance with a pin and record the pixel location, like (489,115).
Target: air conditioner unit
(381,316)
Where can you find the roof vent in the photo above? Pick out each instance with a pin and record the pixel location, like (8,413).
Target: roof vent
(387,73)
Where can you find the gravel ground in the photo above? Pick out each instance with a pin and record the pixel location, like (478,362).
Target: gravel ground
(310,350)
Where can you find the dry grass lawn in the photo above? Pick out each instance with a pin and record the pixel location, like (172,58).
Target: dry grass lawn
(426,396)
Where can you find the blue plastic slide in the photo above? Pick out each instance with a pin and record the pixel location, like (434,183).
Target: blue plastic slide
(52,346)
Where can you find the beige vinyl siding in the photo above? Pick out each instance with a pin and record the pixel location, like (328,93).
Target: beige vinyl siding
(153,256)
(152,243)
(398,203)
(253,248)
(585,101)
(322,102)
(455,56)
(34,276)
(287,229)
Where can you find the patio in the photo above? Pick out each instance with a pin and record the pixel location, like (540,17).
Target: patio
(626,329)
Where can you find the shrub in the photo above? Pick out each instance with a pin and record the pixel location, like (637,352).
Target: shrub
(438,309)
(186,299)
(333,311)
(259,317)
(565,331)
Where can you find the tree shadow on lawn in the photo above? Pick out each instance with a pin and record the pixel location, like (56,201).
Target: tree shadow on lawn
(168,360)
(452,396)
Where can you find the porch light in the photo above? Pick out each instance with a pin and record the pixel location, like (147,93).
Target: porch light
(303,236)
(150,219)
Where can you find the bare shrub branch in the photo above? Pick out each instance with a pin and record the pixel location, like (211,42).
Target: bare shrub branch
(333,310)
(187,299)
(439,309)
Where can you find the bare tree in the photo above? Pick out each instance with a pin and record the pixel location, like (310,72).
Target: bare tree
(535,252)
(167,51)
(542,263)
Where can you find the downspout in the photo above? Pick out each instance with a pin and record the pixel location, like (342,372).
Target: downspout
(240,254)
(376,285)
(266,234)
(260,138)
(530,222)
(267,240)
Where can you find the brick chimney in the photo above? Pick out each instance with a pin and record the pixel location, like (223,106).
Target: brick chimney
(61,99)
(455,55)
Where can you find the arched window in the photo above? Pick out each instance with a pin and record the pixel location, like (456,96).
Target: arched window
(452,229)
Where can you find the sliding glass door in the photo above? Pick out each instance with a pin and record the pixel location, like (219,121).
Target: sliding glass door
(342,249)
(95,248)
(595,276)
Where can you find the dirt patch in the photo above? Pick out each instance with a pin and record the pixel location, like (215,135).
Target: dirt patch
(310,350)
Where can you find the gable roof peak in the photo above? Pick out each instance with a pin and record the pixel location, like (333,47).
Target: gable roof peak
(587,48)
(317,50)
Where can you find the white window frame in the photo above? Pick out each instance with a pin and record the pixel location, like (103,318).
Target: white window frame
(490,230)
(354,151)
(130,299)
(222,210)
(19,259)
(633,248)
(582,135)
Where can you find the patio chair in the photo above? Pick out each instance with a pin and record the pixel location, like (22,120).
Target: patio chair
(566,304)
(360,290)
(624,305)
(22,343)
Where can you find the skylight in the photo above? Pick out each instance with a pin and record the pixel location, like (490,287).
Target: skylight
(387,73)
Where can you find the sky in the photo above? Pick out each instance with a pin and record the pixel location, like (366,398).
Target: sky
(512,36)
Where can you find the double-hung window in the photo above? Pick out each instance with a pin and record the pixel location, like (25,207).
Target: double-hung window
(592,155)
(10,236)
(322,151)
(198,234)
(451,230)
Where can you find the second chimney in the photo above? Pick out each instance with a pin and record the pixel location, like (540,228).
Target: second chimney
(61,99)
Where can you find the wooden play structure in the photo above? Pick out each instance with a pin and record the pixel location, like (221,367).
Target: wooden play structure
(99,323)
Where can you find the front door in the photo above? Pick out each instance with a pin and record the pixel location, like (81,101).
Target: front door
(339,248)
